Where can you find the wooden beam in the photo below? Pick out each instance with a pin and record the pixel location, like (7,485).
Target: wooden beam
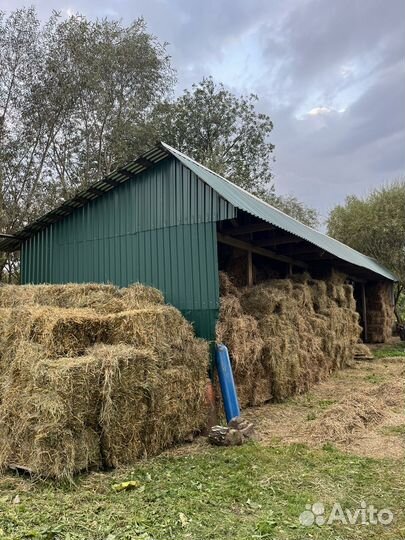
(111,182)
(249,269)
(307,248)
(144,162)
(309,257)
(96,191)
(279,241)
(251,228)
(364,309)
(235,242)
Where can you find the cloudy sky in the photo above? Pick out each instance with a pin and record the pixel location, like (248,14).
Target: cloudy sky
(330,73)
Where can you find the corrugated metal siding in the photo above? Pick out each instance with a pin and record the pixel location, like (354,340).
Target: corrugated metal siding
(240,198)
(159,229)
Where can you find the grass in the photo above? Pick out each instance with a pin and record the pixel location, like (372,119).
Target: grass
(248,492)
(390,350)
(374,378)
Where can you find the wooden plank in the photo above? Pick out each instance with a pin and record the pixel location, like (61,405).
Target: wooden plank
(249,269)
(251,228)
(144,162)
(364,307)
(278,241)
(111,182)
(304,249)
(235,242)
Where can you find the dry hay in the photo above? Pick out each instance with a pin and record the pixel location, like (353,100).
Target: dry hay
(305,329)
(226,286)
(240,333)
(392,393)
(340,421)
(362,352)
(82,388)
(380,312)
(99,297)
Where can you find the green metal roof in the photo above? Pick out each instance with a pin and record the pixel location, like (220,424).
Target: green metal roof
(243,200)
(230,192)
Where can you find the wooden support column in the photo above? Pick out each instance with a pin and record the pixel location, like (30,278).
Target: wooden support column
(364,310)
(249,269)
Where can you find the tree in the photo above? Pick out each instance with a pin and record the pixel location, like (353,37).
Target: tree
(295,208)
(225,133)
(375,225)
(74,99)
(222,131)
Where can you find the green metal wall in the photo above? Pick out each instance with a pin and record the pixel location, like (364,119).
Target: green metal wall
(158,228)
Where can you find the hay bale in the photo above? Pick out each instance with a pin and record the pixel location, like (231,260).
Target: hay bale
(380,311)
(81,388)
(48,416)
(241,335)
(102,298)
(268,297)
(226,286)
(61,332)
(306,329)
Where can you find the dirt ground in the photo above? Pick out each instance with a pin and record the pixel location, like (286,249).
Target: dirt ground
(360,410)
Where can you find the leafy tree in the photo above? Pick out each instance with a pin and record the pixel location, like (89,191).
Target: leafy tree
(226,133)
(295,208)
(222,131)
(375,225)
(74,98)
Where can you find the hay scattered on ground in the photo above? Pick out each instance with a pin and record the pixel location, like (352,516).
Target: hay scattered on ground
(377,432)
(284,335)
(86,387)
(380,312)
(360,349)
(339,422)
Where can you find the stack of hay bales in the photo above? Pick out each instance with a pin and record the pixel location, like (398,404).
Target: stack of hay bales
(240,333)
(380,312)
(120,377)
(284,335)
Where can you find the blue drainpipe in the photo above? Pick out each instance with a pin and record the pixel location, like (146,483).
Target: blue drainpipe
(227,383)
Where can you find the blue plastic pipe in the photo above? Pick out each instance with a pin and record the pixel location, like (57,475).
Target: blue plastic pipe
(228,388)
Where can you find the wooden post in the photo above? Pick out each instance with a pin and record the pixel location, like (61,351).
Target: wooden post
(364,309)
(249,269)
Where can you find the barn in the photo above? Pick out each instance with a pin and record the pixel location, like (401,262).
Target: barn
(168,221)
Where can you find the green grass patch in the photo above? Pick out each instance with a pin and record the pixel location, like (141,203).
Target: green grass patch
(389,350)
(241,493)
(374,378)
(326,403)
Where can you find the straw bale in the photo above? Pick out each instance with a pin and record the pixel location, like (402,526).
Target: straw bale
(102,298)
(48,417)
(226,286)
(95,386)
(380,311)
(307,329)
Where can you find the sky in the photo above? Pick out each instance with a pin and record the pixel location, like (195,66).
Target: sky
(329,73)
